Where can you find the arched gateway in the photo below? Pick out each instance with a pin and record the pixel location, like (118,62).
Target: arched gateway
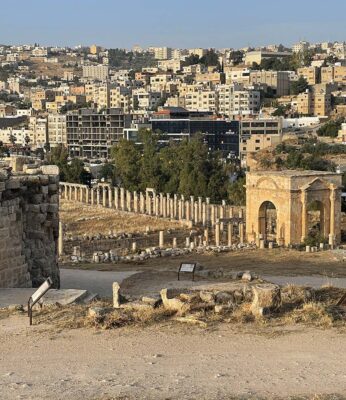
(287,206)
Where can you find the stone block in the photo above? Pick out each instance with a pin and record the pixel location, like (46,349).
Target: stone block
(50,169)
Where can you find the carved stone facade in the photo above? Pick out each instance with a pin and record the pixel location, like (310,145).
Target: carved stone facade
(278,205)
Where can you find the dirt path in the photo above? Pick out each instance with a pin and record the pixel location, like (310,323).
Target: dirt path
(167,362)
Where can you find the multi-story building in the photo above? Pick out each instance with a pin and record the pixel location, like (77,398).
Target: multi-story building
(97,72)
(173,65)
(300,47)
(333,74)
(145,100)
(317,101)
(178,124)
(57,129)
(311,74)
(39,129)
(98,93)
(91,133)
(234,100)
(201,100)
(120,97)
(258,134)
(279,81)
(212,78)
(161,53)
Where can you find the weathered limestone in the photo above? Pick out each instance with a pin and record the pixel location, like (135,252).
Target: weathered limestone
(161,239)
(267,299)
(29,228)
(277,205)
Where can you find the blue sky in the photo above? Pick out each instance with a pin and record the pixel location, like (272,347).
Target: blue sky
(176,23)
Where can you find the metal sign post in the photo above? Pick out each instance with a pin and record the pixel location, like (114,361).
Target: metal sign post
(40,292)
(187,267)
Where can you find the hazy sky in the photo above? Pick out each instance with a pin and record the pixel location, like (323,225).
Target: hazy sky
(176,23)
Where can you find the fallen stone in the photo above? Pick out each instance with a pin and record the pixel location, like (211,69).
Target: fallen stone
(267,299)
(222,308)
(97,312)
(174,304)
(224,298)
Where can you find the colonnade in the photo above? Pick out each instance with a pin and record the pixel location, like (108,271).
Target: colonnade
(197,211)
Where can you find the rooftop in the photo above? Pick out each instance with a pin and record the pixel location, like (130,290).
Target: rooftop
(292,173)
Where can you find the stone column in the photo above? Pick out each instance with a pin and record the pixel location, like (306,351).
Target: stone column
(168,198)
(196,213)
(61,240)
(192,202)
(222,214)
(217,233)
(104,196)
(110,197)
(207,200)
(231,212)
(174,244)
(116,198)
(161,204)
(180,210)
(128,201)
(98,195)
(92,197)
(164,207)
(141,203)
(230,233)
(175,206)
(212,214)
(204,214)
(135,202)
(332,217)
(171,208)
(157,206)
(206,236)
(161,239)
(149,204)
(122,199)
(87,195)
(241,233)
(304,200)
(187,211)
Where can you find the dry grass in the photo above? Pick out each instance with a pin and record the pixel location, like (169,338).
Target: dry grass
(82,219)
(319,311)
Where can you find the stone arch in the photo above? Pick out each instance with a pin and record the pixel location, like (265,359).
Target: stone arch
(267,221)
(316,211)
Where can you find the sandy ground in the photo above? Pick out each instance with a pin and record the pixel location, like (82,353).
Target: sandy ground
(81,219)
(168,362)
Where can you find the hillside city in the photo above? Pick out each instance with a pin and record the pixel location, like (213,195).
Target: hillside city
(241,101)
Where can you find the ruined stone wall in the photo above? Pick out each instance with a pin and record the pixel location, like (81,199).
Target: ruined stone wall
(29,225)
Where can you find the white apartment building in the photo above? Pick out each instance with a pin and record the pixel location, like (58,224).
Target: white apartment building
(234,100)
(201,100)
(57,129)
(173,65)
(39,52)
(38,128)
(144,100)
(97,72)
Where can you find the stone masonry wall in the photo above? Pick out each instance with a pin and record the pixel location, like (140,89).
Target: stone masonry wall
(29,226)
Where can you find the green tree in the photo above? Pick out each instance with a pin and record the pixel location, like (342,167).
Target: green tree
(299,86)
(330,128)
(127,158)
(237,193)
(108,173)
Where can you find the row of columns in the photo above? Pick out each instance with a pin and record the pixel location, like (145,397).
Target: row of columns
(162,205)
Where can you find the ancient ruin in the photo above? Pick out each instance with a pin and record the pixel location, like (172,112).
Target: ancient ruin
(278,204)
(29,209)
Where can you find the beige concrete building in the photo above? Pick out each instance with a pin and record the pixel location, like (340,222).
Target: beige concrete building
(317,101)
(201,100)
(311,74)
(333,74)
(279,81)
(279,206)
(97,72)
(57,129)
